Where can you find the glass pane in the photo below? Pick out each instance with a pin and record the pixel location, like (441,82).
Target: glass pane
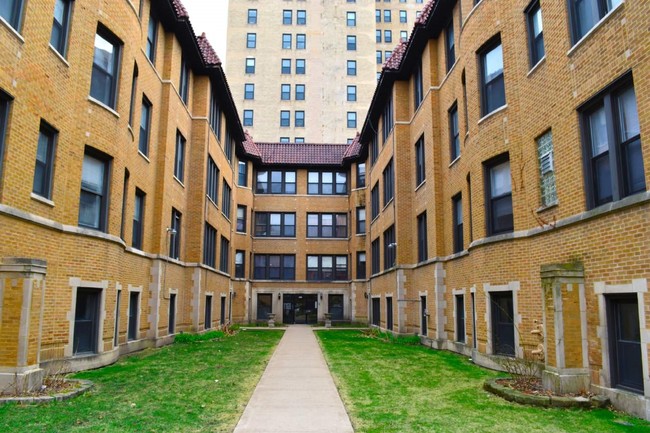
(502,214)
(326,262)
(500,179)
(92,175)
(275,219)
(633,160)
(290,219)
(458,205)
(89,209)
(493,63)
(313,177)
(327,177)
(312,261)
(598,132)
(537,22)
(628,116)
(41,151)
(104,52)
(586,15)
(312,219)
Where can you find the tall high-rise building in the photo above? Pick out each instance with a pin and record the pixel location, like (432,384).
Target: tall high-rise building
(306,70)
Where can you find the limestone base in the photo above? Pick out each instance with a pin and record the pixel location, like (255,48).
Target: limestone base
(566,381)
(21,380)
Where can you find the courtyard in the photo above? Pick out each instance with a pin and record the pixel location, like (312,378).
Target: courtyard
(385,386)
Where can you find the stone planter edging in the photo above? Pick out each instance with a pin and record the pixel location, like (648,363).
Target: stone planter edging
(84,385)
(513,395)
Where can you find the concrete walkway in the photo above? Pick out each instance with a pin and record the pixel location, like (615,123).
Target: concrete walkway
(296,392)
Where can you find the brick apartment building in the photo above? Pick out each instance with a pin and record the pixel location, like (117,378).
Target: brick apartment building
(499,183)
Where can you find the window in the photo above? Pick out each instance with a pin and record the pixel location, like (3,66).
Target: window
(224,258)
(249,91)
(250,66)
(184,82)
(93,200)
(374,198)
(351,43)
(423,249)
(300,66)
(402,16)
(351,19)
(612,143)
(5,102)
(352,93)
(503,327)
(207,314)
(60,25)
(300,119)
(287,17)
(152,36)
(276,182)
(242,174)
(535,32)
(275,224)
(377,15)
(493,93)
(275,267)
(134,86)
(378,56)
(374,249)
(171,326)
(179,159)
(248,117)
(465,111)
(460,318)
(44,168)
(352,119)
(116,333)
(378,36)
(546,169)
(145,126)
(389,247)
(284,140)
(585,14)
(301,18)
(374,148)
(11,11)
(215,114)
(299,140)
(212,188)
(327,268)
(209,246)
(352,67)
(387,119)
(286,66)
(389,182)
(228,145)
(300,92)
(387,15)
(454,134)
(361,175)
(327,182)
(301,42)
(251,40)
(175,235)
(240,264)
(361,220)
(103,82)
(418,89)
(285,118)
(138,219)
(457,221)
(252,16)
(387,54)
(286,41)
(388,36)
(403,35)
(241,219)
(450,45)
(361,265)
(327,225)
(225,199)
(134,312)
(86,320)
(498,195)
(420,173)
(264,306)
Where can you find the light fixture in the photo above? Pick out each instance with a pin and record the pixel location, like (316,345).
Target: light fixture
(279,295)
(365,295)
(321,296)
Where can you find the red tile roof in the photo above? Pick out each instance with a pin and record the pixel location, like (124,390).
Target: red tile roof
(302,153)
(250,147)
(207,52)
(395,59)
(180,10)
(426,11)
(354,149)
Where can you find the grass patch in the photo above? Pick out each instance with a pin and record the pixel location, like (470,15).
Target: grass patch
(187,387)
(191,338)
(411,388)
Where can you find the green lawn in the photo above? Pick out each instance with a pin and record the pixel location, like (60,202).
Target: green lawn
(185,387)
(390,387)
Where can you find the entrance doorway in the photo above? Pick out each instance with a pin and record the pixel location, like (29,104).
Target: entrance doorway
(503,325)
(299,309)
(423,315)
(625,342)
(86,321)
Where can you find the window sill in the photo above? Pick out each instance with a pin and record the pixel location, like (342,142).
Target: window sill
(327,239)
(104,106)
(275,238)
(42,199)
(146,158)
(226,217)
(212,201)
(179,181)
(12,30)
(130,129)
(592,30)
(59,55)
(240,233)
(420,185)
(536,67)
(452,163)
(388,204)
(360,235)
(547,207)
(493,113)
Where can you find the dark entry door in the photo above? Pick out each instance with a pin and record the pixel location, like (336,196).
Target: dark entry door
(335,303)
(300,309)
(503,326)
(86,321)
(389,313)
(423,315)
(222,311)
(376,311)
(172,314)
(627,370)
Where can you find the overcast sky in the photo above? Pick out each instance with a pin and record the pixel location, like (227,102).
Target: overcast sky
(211,17)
